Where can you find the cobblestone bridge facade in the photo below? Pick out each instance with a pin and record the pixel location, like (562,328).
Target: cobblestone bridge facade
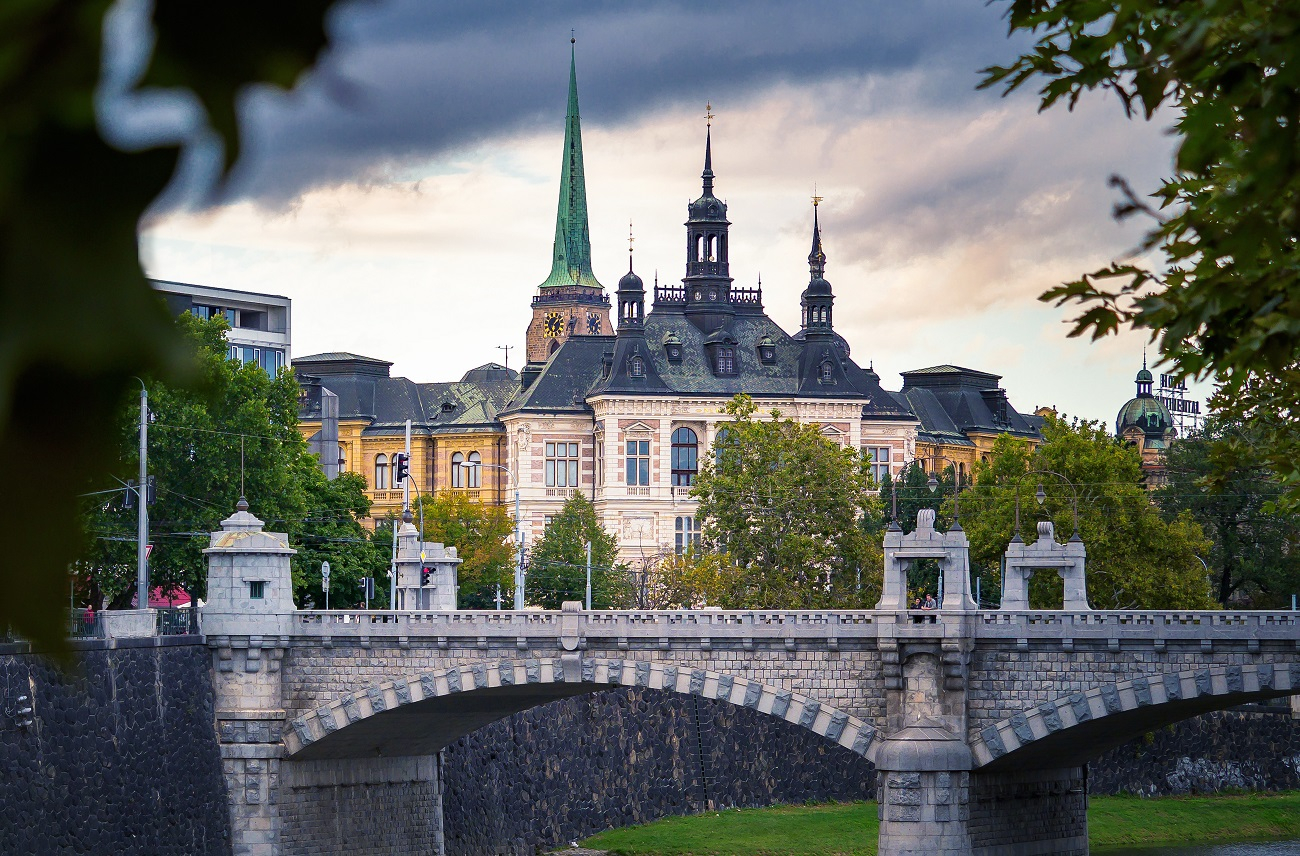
(978,721)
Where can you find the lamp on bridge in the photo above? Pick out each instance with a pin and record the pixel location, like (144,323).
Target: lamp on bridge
(933,484)
(1041,496)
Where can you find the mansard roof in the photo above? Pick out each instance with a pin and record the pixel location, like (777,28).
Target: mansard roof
(385,403)
(577,369)
(952,401)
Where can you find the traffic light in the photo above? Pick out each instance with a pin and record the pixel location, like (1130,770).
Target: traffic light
(128,500)
(370,587)
(425,573)
(401,467)
(151,490)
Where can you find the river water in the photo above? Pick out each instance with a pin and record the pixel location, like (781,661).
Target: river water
(1275,848)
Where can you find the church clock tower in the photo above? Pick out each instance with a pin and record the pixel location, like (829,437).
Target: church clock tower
(571,302)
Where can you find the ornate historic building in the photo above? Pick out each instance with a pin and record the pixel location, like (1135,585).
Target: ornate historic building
(1145,423)
(626,419)
(626,416)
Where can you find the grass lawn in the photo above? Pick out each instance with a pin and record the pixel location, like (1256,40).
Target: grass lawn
(850,829)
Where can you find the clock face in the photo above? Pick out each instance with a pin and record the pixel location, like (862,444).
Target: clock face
(593,323)
(553,325)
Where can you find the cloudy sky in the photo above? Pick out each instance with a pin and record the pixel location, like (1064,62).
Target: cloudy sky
(404,194)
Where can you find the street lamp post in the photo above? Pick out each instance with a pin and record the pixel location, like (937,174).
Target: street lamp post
(519,532)
(1041,496)
(933,484)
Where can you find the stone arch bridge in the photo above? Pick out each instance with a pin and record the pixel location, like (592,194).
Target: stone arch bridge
(979,721)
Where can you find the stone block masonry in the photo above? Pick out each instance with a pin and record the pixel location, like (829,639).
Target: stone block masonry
(362,807)
(572,768)
(121,758)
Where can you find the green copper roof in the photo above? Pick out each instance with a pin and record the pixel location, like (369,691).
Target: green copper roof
(571,258)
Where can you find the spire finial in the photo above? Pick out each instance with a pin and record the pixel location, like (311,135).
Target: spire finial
(630,240)
(816,256)
(708,114)
(573,39)
(1144,356)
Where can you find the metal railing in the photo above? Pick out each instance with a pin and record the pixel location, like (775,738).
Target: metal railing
(80,628)
(177,621)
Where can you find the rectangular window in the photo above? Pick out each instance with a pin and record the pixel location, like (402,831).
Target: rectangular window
(256,590)
(638,462)
(687,537)
(879,462)
(561,464)
(726,361)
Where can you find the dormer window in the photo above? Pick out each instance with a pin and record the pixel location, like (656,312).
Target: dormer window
(827,372)
(635,367)
(766,351)
(448,406)
(673,348)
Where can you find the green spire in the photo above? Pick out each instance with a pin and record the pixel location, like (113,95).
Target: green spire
(571,258)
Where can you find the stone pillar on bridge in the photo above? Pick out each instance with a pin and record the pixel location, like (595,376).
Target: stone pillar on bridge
(250,596)
(1023,559)
(414,591)
(951,549)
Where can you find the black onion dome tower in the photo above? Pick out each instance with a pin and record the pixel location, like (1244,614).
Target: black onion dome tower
(821,361)
(707,281)
(629,366)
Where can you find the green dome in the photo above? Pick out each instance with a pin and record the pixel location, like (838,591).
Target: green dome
(1147,413)
(1144,376)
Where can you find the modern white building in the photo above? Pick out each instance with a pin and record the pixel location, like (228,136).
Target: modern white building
(260,324)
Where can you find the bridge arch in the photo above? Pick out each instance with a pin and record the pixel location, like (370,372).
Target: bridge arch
(420,715)
(1075,728)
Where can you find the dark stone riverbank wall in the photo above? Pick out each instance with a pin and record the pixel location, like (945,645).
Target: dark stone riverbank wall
(1251,748)
(573,768)
(120,757)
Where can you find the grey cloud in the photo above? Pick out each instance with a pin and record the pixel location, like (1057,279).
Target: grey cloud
(408,79)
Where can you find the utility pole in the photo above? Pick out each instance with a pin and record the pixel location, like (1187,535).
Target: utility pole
(406,507)
(142,508)
(519,545)
(589,576)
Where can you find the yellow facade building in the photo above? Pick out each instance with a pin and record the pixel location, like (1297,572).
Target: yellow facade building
(355,414)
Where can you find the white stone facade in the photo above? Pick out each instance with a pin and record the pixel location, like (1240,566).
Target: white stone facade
(644,518)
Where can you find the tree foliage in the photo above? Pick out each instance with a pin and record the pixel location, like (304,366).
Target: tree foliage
(787,506)
(694,580)
(1136,558)
(1224,295)
(77,317)
(481,535)
(557,565)
(232,433)
(1254,556)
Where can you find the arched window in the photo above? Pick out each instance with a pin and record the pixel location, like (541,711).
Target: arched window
(828,371)
(474,471)
(719,440)
(699,248)
(636,367)
(381,472)
(686,451)
(457,471)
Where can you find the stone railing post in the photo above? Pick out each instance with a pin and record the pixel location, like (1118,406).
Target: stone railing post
(1067,559)
(246,619)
